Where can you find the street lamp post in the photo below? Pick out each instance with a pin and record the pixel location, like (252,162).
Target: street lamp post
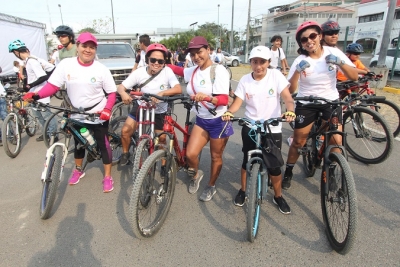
(62,21)
(194,23)
(219,33)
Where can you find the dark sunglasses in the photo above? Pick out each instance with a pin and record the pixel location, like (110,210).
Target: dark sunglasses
(154,60)
(62,35)
(355,53)
(312,36)
(330,33)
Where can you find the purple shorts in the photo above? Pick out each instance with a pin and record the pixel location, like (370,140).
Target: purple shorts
(216,128)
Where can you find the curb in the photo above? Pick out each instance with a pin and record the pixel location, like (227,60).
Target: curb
(391,90)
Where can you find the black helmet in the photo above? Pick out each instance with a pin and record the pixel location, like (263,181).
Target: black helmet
(64,30)
(354,48)
(330,26)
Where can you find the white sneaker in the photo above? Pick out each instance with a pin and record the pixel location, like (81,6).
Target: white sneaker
(290,140)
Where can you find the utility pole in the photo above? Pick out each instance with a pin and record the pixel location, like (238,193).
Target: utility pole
(246,57)
(219,35)
(386,33)
(231,41)
(305,10)
(112,13)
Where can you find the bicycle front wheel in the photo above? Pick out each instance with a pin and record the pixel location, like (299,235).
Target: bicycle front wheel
(50,183)
(253,192)
(369,139)
(339,204)
(151,199)
(141,154)
(11,136)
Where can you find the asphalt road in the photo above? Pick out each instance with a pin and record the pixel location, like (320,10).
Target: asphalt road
(90,228)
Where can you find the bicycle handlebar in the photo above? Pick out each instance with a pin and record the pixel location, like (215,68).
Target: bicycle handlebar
(315,99)
(250,123)
(167,98)
(89,116)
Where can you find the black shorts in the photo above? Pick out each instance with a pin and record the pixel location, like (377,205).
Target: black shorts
(249,144)
(308,113)
(159,118)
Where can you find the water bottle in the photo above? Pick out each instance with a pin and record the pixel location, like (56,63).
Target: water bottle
(85,133)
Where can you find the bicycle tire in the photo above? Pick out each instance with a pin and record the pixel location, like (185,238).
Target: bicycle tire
(144,202)
(253,192)
(30,123)
(60,134)
(310,158)
(389,110)
(192,123)
(11,138)
(374,142)
(115,138)
(50,184)
(340,198)
(141,154)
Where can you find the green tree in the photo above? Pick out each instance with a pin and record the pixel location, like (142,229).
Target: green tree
(103,26)
(88,29)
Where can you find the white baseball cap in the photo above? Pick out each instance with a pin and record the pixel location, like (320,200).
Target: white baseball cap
(261,52)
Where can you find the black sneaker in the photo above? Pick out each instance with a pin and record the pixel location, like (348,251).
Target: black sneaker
(124,160)
(286,182)
(240,198)
(283,206)
(40,138)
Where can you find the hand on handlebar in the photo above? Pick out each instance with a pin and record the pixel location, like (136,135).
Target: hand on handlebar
(227,116)
(289,116)
(126,98)
(105,114)
(201,97)
(30,97)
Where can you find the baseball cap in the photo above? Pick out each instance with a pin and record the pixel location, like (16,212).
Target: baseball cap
(197,42)
(86,37)
(261,52)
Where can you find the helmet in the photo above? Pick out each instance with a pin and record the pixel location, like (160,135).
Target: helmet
(156,47)
(304,26)
(330,26)
(60,47)
(16,45)
(354,48)
(64,30)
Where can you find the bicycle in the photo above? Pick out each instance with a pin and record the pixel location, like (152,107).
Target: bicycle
(20,118)
(387,108)
(257,178)
(57,153)
(338,191)
(154,186)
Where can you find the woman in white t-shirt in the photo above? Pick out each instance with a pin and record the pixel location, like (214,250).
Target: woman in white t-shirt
(313,73)
(87,81)
(262,90)
(164,83)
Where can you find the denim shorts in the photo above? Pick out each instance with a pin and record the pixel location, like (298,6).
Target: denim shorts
(216,128)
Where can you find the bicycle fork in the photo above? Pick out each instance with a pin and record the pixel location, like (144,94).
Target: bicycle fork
(49,157)
(263,171)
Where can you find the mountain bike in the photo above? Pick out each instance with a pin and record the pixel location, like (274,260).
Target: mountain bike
(257,178)
(338,191)
(57,153)
(19,119)
(154,186)
(388,109)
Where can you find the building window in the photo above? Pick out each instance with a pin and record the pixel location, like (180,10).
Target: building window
(370,18)
(397,15)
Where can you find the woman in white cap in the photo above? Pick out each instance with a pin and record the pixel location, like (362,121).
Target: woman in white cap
(262,90)
(87,81)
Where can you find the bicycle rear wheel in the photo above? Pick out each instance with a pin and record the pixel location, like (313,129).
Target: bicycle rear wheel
(253,192)
(50,183)
(391,112)
(369,139)
(150,203)
(11,136)
(339,204)
(310,156)
(115,128)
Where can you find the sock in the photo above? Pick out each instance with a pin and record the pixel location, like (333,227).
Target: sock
(289,168)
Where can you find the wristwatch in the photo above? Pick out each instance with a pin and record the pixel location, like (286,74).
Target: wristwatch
(342,63)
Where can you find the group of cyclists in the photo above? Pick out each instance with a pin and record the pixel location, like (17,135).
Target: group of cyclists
(90,86)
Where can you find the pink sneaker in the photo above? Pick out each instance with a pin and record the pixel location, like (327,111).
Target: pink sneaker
(76,176)
(108,184)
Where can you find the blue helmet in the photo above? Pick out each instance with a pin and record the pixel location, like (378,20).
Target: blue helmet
(16,45)
(354,48)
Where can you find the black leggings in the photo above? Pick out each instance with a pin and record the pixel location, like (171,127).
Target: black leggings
(100,134)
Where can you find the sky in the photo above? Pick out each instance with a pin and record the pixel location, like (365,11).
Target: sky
(133,16)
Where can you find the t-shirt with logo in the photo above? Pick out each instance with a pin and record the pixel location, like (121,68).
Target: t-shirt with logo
(85,84)
(320,78)
(64,53)
(166,79)
(275,58)
(202,84)
(262,97)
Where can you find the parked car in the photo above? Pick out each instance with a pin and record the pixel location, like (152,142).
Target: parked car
(388,60)
(118,57)
(233,61)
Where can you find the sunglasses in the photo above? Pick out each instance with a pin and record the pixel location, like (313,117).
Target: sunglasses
(154,60)
(62,35)
(330,33)
(355,53)
(312,36)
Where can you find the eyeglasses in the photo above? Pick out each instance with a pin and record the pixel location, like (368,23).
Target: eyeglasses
(154,60)
(312,36)
(62,35)
(330,33)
